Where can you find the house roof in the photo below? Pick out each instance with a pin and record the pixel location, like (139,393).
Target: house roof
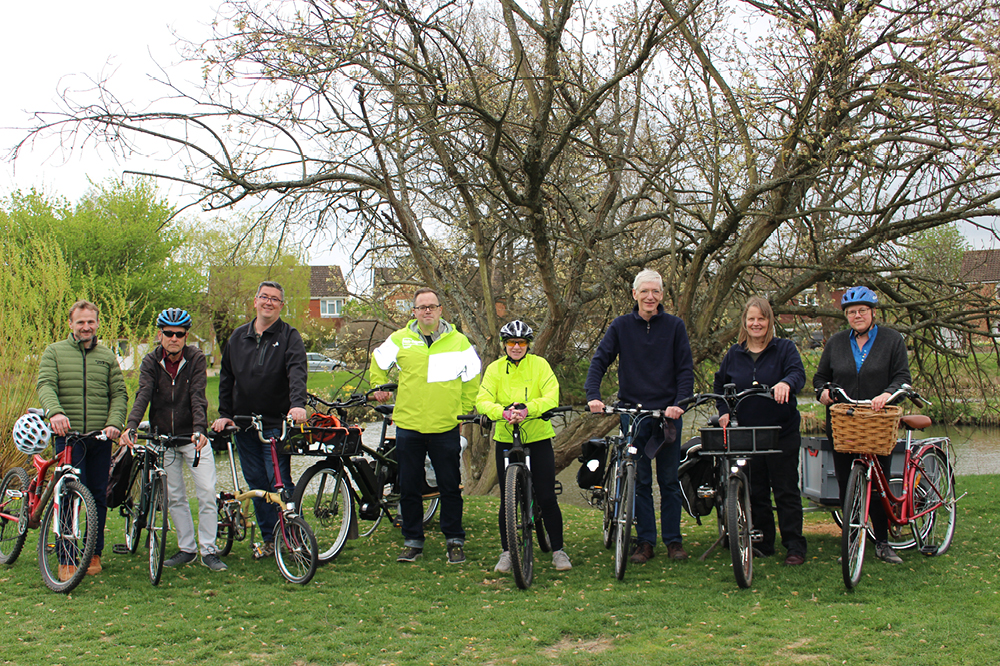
(981,266)
(326,281)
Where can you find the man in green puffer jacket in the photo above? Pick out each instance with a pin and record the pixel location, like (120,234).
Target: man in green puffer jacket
(81,388)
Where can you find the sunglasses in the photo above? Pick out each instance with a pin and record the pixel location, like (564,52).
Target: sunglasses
(174,334)
(516,343)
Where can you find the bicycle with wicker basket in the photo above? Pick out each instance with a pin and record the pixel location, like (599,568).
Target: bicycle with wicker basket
(925,503)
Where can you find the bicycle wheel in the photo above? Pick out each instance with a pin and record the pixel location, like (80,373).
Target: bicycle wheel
(157,524)
(225,530)
(934,492)
(899,537)
(131,507)
(517,518)
(13,514)
(623,520)
(542,536)
(323,499)
(852,536)
(295,550)
(66,541)
(608,505)
(738,526)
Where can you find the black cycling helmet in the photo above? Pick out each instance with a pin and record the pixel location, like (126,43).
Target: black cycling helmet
(516,329)
(859,295)
(174,317)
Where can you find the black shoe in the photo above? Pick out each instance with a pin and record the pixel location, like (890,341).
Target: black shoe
(456,553)
(410,554)
(180,558)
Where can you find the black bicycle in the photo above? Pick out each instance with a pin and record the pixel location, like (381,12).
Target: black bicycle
(522,515)
(616,496)
(347,494)
(730,449)
(145,503)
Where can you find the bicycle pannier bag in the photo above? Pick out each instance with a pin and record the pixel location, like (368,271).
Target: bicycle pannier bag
(696,471)
(594,456)
(121,465)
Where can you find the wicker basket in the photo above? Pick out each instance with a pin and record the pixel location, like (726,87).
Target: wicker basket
(858,429)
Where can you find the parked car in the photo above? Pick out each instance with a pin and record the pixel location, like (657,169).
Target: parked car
(320,363)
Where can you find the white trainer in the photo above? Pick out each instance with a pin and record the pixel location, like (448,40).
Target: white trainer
(561,561)
(503,564)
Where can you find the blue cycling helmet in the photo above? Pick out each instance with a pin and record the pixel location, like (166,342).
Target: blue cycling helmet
(174,317)
(859,295)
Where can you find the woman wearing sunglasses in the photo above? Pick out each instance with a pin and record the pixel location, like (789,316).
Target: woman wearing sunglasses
(522,378)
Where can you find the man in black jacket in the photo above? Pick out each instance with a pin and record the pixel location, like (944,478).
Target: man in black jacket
(263,372)
(172,384)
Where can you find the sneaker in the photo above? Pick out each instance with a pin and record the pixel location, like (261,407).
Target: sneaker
(884,552)
(263,551)
(794,560)
(503,564)
(213,562)
(95,566)
(180,558)
(643,553)
(675,551)
(456,553)
(561,561)
(410,554)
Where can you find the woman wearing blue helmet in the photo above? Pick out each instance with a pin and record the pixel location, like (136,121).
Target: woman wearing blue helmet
(870,363)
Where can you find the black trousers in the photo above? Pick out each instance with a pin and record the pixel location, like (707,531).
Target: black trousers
(778,473)
(543,480)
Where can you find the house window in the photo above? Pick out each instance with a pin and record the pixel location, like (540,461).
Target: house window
(331,307)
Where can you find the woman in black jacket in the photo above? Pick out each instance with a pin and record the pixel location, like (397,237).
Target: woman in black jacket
(869,362)
(760,358)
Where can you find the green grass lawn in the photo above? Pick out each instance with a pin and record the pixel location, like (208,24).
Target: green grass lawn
(364,608)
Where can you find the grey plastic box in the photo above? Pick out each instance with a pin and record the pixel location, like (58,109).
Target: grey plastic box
(818,480)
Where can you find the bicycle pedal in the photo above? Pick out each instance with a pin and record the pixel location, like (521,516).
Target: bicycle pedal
(928,551)
(756,536)
(558,487)
(120,549)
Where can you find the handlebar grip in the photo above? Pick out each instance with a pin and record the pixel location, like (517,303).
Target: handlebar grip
(197,458)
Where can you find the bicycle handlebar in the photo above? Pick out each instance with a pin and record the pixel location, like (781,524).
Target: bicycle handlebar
(905,391)
(256,422)
(355,400)
(636,410)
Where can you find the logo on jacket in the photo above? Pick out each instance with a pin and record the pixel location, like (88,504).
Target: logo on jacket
(276,343)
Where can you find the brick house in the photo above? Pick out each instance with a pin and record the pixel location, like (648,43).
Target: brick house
(982,268)
(327,295)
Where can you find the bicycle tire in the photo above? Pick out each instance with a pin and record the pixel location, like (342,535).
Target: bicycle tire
(14,507)
(623,520)
(933,483)
(853,535)
(225,530)
(323,499)
(608,505)
(157,528)
(518,524)
(131,507)
(295,550)
(738,527)
(76,543)
(541,534)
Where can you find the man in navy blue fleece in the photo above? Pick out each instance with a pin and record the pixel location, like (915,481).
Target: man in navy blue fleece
(655,370)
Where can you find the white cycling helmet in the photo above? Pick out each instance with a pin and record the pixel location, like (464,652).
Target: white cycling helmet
(31,434)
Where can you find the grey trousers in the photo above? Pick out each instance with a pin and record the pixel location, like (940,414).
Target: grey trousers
(175,460)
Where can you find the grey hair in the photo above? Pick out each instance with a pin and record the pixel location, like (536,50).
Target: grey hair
(272,285)
(647,275)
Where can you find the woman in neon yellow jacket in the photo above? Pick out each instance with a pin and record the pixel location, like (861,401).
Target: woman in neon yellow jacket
(523,378)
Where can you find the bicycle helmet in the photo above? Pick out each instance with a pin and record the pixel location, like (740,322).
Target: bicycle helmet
(859,295)
(516,329)
(31,434)
(174,317)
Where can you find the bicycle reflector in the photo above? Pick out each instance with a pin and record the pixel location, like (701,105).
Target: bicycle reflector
(31,434)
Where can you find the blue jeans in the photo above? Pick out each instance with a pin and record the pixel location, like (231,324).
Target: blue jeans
(258,470)
(668,459)
(93,458)
(444,449)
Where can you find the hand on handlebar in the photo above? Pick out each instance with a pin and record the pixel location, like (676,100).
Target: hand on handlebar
(381,396)
(128,438)
(513,416)
(60,424)
(595,406)
(199,440)
(781,391)
(673,412)
(297,414)
(723,420)
(825,398)
(220,424)
(111,432)
(879,401)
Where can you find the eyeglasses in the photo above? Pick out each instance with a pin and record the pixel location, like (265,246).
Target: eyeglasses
(426,308)
(174,334)
(270,299)
(858,312)
(516,343)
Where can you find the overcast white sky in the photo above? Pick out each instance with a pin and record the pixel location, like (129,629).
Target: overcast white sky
(59,43)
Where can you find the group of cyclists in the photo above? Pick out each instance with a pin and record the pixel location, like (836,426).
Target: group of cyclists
(263,372)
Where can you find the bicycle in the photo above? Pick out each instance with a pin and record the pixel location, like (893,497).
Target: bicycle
(925,503)
(145,503)
(616,496)
(295,547)
(233,515)
(347,494)
(60,507)
(731,449)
